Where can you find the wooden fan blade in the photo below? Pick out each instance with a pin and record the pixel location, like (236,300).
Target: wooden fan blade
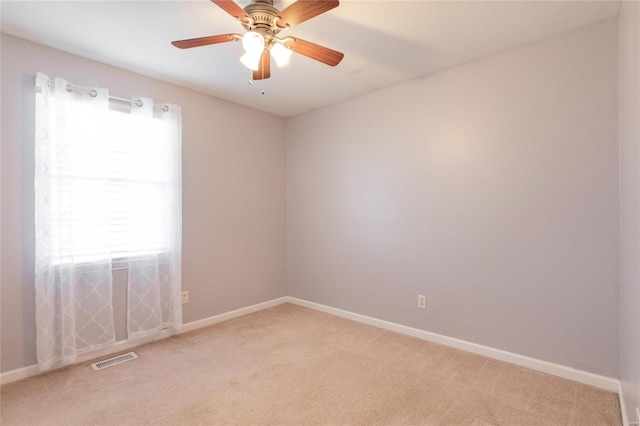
(303,10)
(204,41)
(315,51)
(264,70)
(233,9)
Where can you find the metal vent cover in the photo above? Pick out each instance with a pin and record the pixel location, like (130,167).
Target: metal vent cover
(101,365)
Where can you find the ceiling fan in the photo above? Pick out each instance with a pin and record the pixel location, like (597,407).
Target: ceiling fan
(263,23)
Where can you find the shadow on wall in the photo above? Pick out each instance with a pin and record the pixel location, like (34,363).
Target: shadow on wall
(367,43)
(27,231)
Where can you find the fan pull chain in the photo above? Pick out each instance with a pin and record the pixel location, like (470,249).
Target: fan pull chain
(251,84)
(250,81)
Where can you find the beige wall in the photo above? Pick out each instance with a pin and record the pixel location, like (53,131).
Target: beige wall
(492,188)
(630,205)
(233,194)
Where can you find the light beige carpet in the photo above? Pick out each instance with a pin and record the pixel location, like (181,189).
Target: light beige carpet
(291,365)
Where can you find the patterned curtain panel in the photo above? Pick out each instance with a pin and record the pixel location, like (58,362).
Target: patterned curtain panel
(73,255)
(154,302)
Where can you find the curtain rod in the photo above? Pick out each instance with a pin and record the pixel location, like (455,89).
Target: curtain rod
(93,94)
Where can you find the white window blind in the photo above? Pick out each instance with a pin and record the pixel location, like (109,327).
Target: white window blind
(137,163)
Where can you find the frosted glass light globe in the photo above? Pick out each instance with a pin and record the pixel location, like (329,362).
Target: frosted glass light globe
(281,54)
(253,42)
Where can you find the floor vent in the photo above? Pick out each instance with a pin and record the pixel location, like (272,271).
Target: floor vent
(113,361)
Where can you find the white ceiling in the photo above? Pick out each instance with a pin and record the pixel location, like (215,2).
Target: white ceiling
(384,42)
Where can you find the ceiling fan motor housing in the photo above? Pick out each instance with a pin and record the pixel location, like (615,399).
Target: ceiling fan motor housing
(262,19)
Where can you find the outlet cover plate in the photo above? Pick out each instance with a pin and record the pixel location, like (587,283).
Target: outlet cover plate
(422,301)
(185,297)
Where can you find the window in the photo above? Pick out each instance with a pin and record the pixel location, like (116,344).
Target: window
(107,191)
(110,176)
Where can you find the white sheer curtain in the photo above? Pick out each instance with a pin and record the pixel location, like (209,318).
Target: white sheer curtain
(74,313)
(154,286)
(108,194)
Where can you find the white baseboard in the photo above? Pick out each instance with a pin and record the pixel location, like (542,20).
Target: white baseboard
(623,406)
(580,376)
(194,325)
(125,345)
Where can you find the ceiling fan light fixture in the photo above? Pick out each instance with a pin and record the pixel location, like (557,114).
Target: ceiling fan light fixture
(281,54)
(251,60)
(253,42)
(263,22)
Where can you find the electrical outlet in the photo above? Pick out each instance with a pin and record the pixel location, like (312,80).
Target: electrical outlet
(185,297)
(422,301)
